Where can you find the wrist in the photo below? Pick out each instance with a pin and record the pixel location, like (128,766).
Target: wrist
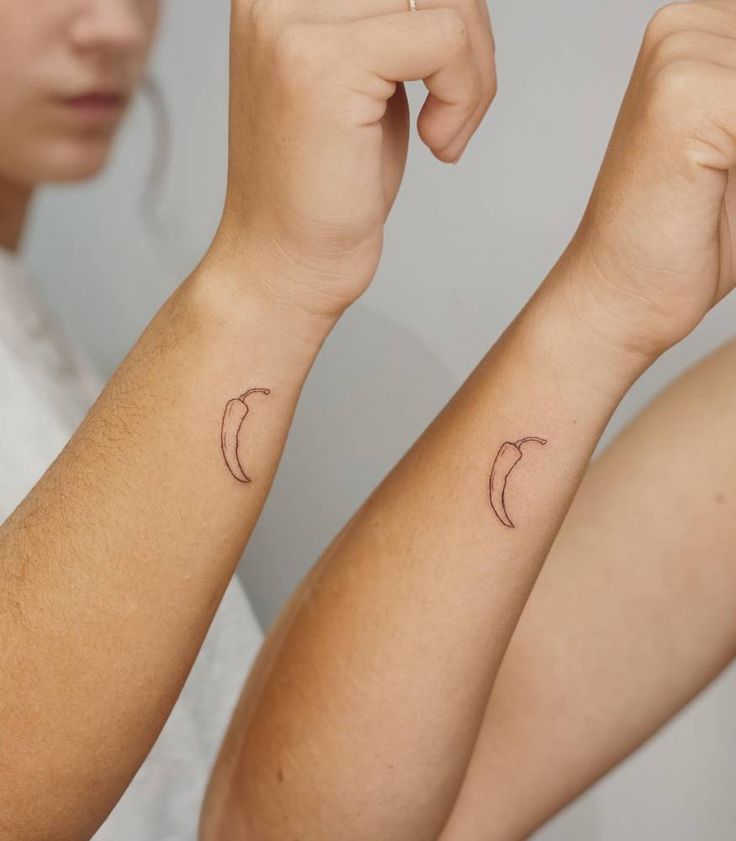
(637,308)
(576,326)
(217,303)
(244,287)
(314,288)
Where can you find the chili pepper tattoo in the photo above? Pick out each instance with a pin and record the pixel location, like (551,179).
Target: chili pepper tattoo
(506,459)
(232,422)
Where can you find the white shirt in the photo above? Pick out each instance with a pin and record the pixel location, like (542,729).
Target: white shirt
(47,386)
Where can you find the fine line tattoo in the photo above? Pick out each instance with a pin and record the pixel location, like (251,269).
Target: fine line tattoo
(236,411)
(508,456)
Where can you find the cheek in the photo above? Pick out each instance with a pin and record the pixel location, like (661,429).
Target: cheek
(68,160)
(35,150)
(151,21)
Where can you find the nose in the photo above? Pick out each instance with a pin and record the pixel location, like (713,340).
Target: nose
(111,26)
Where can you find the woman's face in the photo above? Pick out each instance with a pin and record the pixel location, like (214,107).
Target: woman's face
(68,68)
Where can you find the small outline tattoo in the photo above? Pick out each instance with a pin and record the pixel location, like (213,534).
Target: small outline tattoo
(508,456)
(235,413)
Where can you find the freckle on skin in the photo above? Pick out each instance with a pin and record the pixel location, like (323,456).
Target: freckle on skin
(720,498)
(280,775)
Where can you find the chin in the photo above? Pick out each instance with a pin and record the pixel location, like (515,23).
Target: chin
(76,160)
(58,161)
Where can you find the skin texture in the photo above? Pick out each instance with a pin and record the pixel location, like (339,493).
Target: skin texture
(113,565)
(122,465)
(641,577)
(363,711)
(580,688)
(670,159)
(325,112)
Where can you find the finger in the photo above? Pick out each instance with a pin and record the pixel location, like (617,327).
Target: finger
(477,18)
(492,75)
(484,46)
(475,13)
(433,45)
(718,18)
(698,46)
(727,5)
(487,17)
(457,146)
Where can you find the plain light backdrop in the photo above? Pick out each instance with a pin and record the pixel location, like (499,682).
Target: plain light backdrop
(465,247)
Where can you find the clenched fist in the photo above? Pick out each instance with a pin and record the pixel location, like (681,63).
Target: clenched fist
(319,128)
(657,240)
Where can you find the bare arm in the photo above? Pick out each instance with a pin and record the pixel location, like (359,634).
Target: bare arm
(362,713)
(360,720)
(113,565)
(632,615)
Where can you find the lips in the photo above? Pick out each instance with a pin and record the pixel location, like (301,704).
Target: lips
(96,106)
(97,100)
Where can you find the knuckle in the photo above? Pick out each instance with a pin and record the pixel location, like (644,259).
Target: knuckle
(489,73)
(672,48)
(670,18)
(491,91)
(473,94)
(676,85)
(491,84)
(480,87)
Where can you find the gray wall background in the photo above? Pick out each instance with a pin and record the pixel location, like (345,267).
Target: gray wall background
(465,248)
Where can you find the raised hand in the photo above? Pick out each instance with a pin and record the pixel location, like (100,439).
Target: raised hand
(657,237)
(319,128)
